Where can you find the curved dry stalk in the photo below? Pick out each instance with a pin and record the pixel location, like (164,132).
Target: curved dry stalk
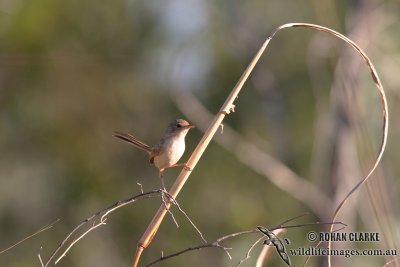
(391,261)
(347,69)
(381,91)
(379,86)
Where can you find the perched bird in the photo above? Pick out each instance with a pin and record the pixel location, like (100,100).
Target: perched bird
(169,149)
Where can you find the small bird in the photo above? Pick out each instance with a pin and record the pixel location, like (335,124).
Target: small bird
(169,149)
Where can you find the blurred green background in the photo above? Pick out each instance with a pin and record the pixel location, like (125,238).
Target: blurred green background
(72,72)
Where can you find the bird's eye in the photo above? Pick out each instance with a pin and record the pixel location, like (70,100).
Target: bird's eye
(179,125)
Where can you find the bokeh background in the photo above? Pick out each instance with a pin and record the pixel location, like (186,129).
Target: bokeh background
(306,129)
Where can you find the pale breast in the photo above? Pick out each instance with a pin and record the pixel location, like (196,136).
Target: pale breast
(173,150)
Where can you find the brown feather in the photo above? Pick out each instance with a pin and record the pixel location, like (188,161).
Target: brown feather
(154,153)
(133,141)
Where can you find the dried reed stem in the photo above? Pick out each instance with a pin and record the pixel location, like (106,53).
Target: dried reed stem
(226,108)
(379,86)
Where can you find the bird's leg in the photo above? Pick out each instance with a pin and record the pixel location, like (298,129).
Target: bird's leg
(164,192)
(165,196)
(161,174)
(184,165)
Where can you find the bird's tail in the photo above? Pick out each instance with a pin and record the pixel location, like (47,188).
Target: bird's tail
(132,140)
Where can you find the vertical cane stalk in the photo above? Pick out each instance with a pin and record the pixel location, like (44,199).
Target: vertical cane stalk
(226,108)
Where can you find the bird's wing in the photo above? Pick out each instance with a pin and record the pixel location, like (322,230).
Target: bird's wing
(154,153)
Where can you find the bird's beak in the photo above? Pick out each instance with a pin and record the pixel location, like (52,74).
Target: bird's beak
(189,126)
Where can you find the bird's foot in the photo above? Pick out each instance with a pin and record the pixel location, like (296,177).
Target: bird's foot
(167,198)
(184,165)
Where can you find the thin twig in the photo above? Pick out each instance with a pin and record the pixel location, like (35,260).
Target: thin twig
(141,187)
(217,243)
(294,218)
(102,222)
(104,212)
(40,260)
(44,228)
(191,222)
(308,224)
(208,245)
(188,218)
(167,205)
(249,251)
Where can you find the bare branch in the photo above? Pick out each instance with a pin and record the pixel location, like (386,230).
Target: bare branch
(208,245)
(294,218)
(103,213)
(167,205)
(102,221)
(95,225)
(217,243)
